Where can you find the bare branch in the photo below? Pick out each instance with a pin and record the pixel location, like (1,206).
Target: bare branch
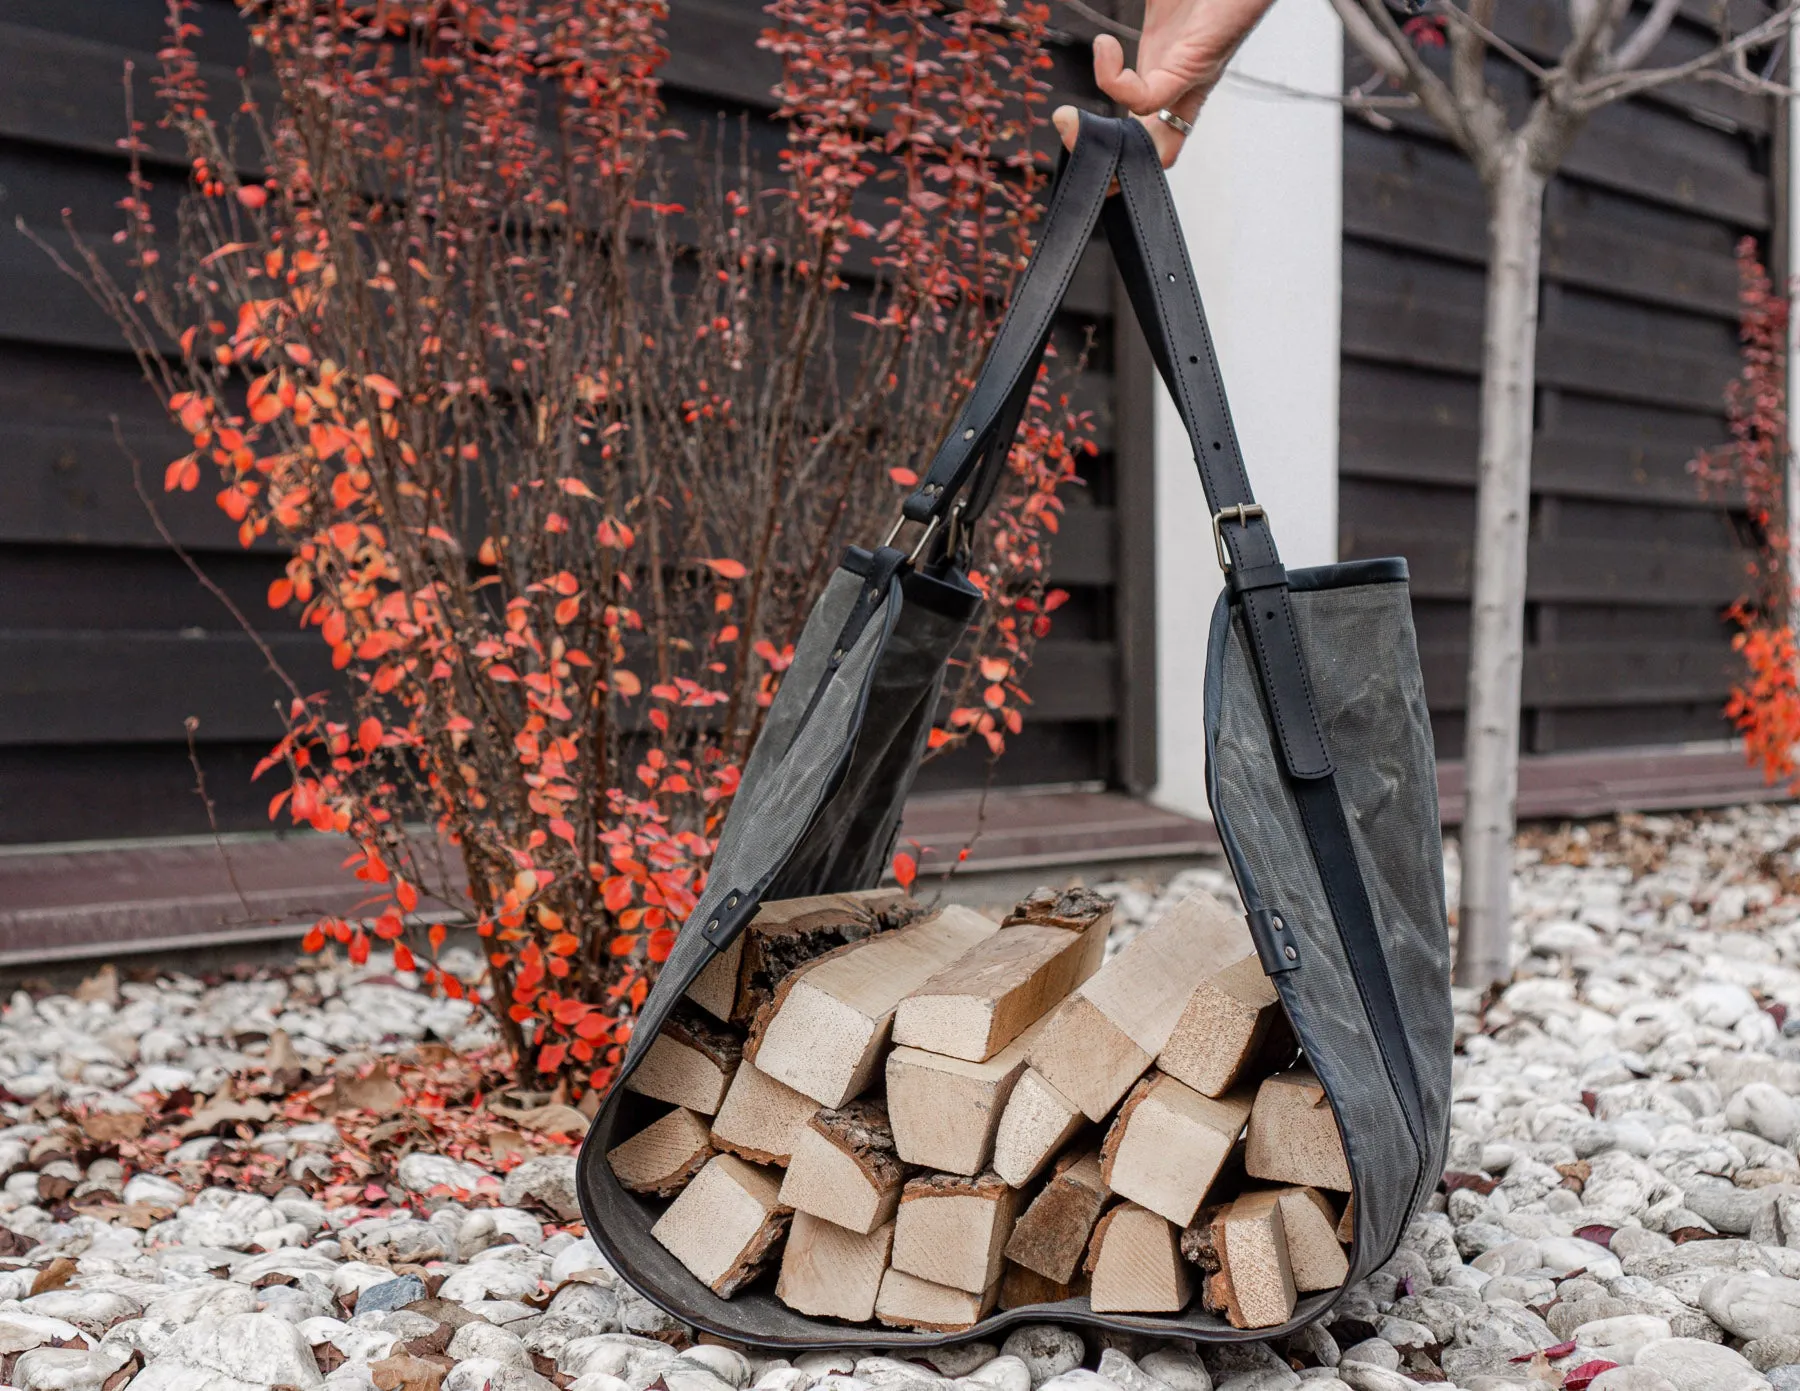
(1372,29)
(1472,26)
(1590,96)
(1645,37)
(1358,101)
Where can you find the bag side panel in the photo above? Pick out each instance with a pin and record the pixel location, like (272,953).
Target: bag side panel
(1259,819)
(1365,660)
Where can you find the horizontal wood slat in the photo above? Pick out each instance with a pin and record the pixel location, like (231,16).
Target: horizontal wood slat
(1596,675)
(1567,571)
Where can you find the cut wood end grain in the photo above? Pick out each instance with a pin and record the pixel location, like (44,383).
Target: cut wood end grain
(828,1271)
(905,1301)
(664,1156)
(1255,1283)
(1314,1255)
(761,1119)
(844,1168)
(1134,1266)
(1293,1136)
(1222,1028)
(1037,1122)
(690,1063)
(725,1224)
(946,1111)
(823,1030)
(1021,1288)
(1169,1144)
(952,1230)
(1051,1236)
(1346,1227)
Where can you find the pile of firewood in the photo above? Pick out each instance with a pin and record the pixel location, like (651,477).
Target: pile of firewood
(943,1113)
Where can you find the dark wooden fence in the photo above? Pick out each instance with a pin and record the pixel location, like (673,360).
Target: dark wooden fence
(1630,568)
(107,643)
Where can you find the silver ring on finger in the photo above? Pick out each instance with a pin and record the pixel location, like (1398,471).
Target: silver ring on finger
(1174,122)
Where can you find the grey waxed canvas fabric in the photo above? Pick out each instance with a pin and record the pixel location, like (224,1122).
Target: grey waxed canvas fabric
(1363,660)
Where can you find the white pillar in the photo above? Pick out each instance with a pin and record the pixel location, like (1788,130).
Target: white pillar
(1260,192)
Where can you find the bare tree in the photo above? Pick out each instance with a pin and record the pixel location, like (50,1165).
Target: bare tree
(1606,56)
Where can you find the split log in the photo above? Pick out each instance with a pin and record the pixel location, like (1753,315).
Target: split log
(1225,1024)
(1169,1144)
(844,1168)
(1294,1136)
(984,1000)
(1254,1285)
(725,1224)
(1051,1235)
(785,935)
(945,1111)
(1133,1264)
(1314,1256)
(952,1230)
(761,1119)
(1021,1288)
(1037,1122)
(662,1157)
(1104,1036)
(906,1301)
(823,1030)
(830,1272)
(1346,1227)
(690,1064)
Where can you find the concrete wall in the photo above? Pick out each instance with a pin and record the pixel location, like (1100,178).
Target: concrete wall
(1260,192)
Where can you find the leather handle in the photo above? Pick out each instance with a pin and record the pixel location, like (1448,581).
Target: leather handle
(990,416)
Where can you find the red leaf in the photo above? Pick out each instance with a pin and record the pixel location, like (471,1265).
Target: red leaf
(314,940)
(403,958)
(1583,1376)
(1560,1350)
(906,869)
(662,942)
(551,1058)
(905,477)
(1600,1236)
(253,195)
(726,569)
(368,735)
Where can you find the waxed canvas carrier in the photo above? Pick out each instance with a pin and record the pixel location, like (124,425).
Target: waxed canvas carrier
(1320,774)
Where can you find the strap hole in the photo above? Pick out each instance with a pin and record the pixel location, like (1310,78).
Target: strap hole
(1217,445)
(1193,357)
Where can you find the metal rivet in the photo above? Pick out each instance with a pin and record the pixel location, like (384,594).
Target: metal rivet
(732,901)
(969,434)
(1290,953)
(1171,277)
(838,655)
(1278,923)
(713,926)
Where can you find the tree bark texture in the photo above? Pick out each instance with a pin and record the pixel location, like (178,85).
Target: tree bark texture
(1497,608)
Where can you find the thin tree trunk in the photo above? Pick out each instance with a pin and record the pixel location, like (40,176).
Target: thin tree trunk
(1497,620)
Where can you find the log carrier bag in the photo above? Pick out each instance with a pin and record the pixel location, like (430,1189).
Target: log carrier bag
(1320,774)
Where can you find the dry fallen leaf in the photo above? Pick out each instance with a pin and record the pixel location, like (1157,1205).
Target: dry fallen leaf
(103,985)
(504,1144)
(54,1276)
(405,1373)
(553,1119)
(376,1091)
(110,1127)
(216,1113)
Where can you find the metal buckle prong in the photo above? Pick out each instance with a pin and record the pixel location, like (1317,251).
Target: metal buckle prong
(1243,513)
(924,536)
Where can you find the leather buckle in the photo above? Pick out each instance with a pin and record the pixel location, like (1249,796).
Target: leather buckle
(1243,513)
(924,536)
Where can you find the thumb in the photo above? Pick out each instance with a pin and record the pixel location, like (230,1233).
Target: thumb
(1067,121)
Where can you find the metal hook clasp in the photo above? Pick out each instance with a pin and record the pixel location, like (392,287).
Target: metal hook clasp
(1243,513)
(924,536)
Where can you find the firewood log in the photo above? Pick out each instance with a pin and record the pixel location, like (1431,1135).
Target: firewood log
(828,1271)
(1169,1144)
(1051,1235)
(906,1301)
(1133,1264)
(1037,1122)
(1102,1038)
(1223,1027)
(761,1119)
(824,1029)
(1293,1136)
(844,1168)
(691,1063)
(785,935)
(952,1230)
(725,1225)
(945,1111)
(664,1156)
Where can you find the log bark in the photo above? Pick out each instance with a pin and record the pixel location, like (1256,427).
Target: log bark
(844,1168)
(1051,1235)
(691,1062)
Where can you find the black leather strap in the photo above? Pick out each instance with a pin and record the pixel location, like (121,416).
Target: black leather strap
(1151,253)
(990,417)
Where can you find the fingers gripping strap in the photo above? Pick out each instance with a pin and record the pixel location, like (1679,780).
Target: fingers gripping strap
(1151,253)
(998,399)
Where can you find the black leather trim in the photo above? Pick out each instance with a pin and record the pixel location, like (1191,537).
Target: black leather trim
(1345,574)
(944,589)
(1334,855)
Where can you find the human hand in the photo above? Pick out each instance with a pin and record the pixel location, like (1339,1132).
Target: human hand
(1182,53)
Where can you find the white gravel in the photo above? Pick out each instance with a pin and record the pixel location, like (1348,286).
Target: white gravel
(1624,1185)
